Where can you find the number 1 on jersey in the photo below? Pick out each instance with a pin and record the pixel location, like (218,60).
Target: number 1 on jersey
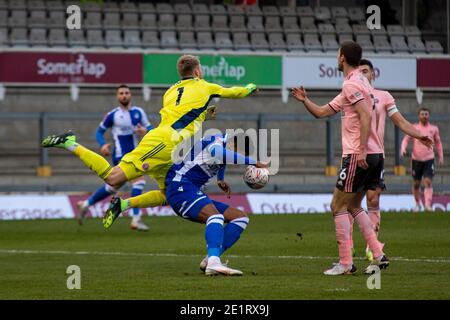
(180,93)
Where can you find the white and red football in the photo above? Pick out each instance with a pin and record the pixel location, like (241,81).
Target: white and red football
(256,178)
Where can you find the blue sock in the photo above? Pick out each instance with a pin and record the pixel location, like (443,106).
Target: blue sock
(101,193)
(232,232)
(214,235)
(136,191)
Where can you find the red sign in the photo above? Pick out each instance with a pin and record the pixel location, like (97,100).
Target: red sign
(42,67)
(433,73)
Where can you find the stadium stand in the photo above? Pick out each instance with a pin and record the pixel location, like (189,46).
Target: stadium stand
(19,18)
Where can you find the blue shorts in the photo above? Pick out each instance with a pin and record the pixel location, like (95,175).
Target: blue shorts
(187,200)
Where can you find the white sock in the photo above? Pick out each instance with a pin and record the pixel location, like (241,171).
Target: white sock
(214,260)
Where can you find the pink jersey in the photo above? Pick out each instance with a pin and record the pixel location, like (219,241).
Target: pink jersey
(421,152)
(384,105)
(354,89)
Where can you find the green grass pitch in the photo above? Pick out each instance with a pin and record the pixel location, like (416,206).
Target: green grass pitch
(282,257)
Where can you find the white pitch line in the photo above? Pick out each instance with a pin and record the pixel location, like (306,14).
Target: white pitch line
(137,254)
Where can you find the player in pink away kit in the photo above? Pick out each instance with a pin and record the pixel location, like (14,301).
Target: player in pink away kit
(384,106)
(422,158)
(361,159)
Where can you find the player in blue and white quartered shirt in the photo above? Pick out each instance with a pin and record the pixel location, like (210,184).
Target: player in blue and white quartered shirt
(184,193)
(128,125)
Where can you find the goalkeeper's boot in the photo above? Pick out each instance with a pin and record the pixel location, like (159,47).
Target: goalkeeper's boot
(339,269)
(377,264)
(63,141)
(215,267)
(251,87)
(114,210)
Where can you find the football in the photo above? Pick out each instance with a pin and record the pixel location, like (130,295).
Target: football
(256,178)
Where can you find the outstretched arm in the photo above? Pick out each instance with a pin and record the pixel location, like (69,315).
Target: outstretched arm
(316,110)
(409,129)
(233,92)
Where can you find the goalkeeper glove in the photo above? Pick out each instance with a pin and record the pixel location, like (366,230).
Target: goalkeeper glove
(251,87)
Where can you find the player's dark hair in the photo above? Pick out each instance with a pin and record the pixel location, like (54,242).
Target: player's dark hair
(352,52)
(424,109)
(186,65)
(365,62)
(122,86)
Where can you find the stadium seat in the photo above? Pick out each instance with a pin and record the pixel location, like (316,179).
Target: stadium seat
(132,39)
(148,21)
(258,41)
(339,12)
(382,46)
(305,11)
(145,7)
(379,32)
(150,39)
(290,25)
(3,18)
(223,41)
(93,20)
(113,39)
(17,5)
(3,37)
(434,47)
(38,19)
(182,8)
(380,38)
(356,14)
(237,24)
(130,21)
(269,11)
(330,45)
(128,7)
(187,40)
(416,45)
(57,38)
(168,40)
(240,41)
(17,19)
(399,45)
(294,43)
(166,21)
(3,5)
(287,11)
(253,10)
(205,41)
(322,14)
(111,20)
(201,23)
(341,20)
(91,6)
(304,21)
(345,37)
(365,42)
(94,38)
(34,5)
(312,43)
(307,27)
(38,37)
(273,24)
(200,8)
(162,8)
(326,28)
(215,9)
(255,24)
(412,31)
(234,9)
(343,29)
(57,19)
(18,37)
(395,30)
(110,7)
(359,29)
(276,42)
(184,22)
(76,38)
(220,23)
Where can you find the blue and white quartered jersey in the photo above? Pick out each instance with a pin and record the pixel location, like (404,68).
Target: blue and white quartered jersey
(207,159)
(123,122)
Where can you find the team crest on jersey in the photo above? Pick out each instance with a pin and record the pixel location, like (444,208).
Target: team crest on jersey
(180,189)
(145,166)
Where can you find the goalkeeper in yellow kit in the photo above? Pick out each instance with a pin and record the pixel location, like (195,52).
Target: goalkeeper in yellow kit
(185,105)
